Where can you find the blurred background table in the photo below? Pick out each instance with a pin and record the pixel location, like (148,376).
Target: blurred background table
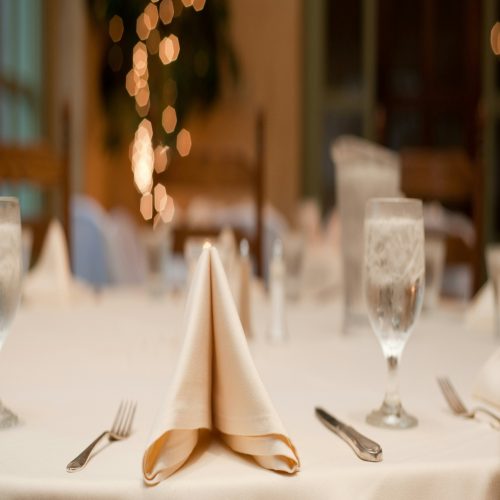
(65,369)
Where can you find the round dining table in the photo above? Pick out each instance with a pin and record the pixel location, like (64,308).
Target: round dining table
(66,366)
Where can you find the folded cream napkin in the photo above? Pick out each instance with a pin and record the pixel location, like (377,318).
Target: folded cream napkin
(216,386)
(480,314)
(487,385)
(51,280)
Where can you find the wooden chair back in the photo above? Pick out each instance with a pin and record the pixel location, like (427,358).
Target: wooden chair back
(228,176)
(451,178)
(39,166)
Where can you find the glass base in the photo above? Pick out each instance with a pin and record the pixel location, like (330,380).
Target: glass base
(8,419)
(391,417)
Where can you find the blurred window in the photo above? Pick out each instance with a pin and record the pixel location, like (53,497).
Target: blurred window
(21,78)
(20,70)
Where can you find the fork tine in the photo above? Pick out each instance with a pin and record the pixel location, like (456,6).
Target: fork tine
(127,420)
(118,418)
(130,419)
(448,394)
(454,395)
(123,421)
(442,381)
(451,395)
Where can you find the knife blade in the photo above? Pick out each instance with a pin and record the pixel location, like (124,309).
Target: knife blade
(365,448)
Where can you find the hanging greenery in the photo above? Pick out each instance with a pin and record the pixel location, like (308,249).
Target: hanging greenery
(158,55)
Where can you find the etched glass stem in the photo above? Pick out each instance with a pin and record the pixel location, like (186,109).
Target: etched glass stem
(392,399)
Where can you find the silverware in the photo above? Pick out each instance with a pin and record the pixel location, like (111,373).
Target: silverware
(120,429)
(365,448)
(456,405)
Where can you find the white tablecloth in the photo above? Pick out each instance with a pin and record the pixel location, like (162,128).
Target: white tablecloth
(65,370)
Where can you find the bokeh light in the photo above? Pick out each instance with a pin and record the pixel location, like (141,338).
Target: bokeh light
(151,16)
(146,206)
(176,45)
(160,197)
(166,11)
(142,111)
(147,161)
(198,5)
(130,83)
(167,214)
(143,157)
(142,97)
(183,142)
(153,41)
(116,28)
(142,28)
(161,158)
(178,7)
(169,119)
(166,50)
(495,39)
(140,58)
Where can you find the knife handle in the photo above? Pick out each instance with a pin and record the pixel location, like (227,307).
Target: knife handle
(364,447)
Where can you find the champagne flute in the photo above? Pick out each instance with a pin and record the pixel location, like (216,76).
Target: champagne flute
(394,284)
(10,279)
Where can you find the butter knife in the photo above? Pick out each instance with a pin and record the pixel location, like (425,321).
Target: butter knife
(365,448)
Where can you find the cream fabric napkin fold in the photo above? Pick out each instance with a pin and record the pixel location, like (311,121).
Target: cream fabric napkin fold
(51,280)
(216,386)
(480,313)
(487,385)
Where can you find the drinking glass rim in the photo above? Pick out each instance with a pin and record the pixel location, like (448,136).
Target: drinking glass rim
(411,208)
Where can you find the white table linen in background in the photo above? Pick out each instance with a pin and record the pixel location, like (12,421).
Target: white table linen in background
(65,371)
(50,280)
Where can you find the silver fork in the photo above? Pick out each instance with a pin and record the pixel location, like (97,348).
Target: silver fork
(120,429)
(456,405)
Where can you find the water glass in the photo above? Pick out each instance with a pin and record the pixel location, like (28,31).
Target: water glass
(293,250)
(394,280)
(363,170)
(157,246)
(435,250)
(11,270)
(493,265)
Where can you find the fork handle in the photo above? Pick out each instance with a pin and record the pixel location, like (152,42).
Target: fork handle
(488,412)
(81,460)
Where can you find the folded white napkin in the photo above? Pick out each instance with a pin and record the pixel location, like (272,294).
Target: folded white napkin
(216,386)
(51,280)
(487,385)
(480,314)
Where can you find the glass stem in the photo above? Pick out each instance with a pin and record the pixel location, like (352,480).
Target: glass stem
(392,390)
